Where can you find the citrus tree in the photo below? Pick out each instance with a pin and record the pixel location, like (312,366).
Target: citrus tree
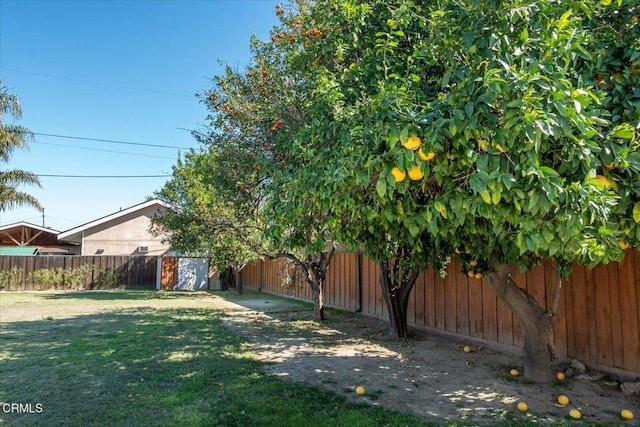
(254,118)
(13,137)
(500,132)
(209,215)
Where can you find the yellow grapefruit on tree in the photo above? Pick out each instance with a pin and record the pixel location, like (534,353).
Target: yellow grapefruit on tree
(426,157)
(415,173)
(398,174)
(412,143)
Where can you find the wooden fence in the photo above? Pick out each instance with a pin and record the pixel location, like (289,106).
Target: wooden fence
(598,319)
(132,271)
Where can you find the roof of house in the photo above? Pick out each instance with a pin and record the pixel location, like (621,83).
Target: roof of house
(75,234)
(27,234)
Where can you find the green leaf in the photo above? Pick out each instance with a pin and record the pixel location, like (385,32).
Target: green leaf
(441,208)
(486,196)
(381,187)
(495,197)
(453,129)
(636,213)
(564,19)
(446,77)
(623,132)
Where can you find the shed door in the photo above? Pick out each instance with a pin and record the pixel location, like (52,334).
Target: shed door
(193,274)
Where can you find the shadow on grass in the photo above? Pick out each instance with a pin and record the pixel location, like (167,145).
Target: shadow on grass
(145,366)
(120,294)
(264,302)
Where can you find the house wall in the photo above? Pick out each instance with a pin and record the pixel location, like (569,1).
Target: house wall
(124,235)
(598,319)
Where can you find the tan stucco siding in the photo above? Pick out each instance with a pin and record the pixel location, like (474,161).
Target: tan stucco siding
(124,235)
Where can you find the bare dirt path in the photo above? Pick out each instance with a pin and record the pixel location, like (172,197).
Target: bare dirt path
(427,375)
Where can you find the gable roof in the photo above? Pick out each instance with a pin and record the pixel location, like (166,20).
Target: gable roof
(27,234)
(74,234)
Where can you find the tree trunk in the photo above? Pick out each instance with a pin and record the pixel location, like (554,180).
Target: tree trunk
(396,287)
(315,271)
(238,290)
(318,302)
(537,325)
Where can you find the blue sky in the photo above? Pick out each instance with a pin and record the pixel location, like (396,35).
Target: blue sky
(120,70)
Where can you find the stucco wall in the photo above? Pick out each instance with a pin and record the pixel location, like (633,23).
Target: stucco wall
(124,235)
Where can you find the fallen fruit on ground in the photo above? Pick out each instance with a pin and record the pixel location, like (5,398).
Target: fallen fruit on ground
(415,173)
(514,372)
(412,143)
(360,390)
(467,349)
(626,414)
(522,406)
(398,174)
(563,400)
(560,376)
(575,414)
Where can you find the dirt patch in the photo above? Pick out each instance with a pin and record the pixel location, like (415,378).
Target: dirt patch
(427,375)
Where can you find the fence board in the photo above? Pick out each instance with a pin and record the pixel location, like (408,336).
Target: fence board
(136,271)
(598,319)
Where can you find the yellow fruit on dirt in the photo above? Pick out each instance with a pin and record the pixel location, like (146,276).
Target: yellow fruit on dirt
(604,180)
(398,174)
(626,414)
(478,275)
(563,400)
(522,406)
(473,263)
(426,157)
(412,143)
(360,390)
(575,414)
(466,349)
(514,372)
(415,173)
(560,376)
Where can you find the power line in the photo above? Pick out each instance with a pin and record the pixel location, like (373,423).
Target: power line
(105,151)
(101,176)
(52,76)
(108,140)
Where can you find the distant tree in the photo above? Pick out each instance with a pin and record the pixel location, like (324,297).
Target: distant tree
(210,216)
(257,118)
(13,137)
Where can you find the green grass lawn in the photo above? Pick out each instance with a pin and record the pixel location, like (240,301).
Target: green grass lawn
(140,365)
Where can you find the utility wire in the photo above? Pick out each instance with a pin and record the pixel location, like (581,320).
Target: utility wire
(105,151)
(108,140)
(51,76)
(101,176)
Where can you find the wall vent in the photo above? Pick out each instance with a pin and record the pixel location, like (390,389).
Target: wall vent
(143,249)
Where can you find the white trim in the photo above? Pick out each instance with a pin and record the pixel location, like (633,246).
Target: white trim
(26,224)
